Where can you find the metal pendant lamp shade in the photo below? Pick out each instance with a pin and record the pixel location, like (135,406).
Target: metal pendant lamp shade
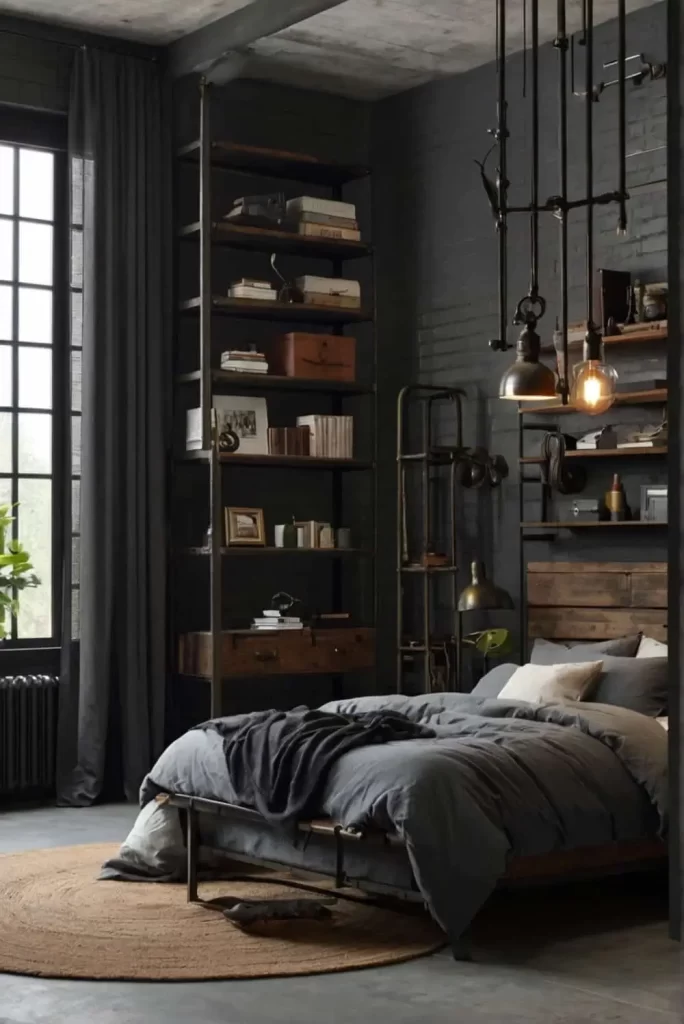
(481,594)
(528,380)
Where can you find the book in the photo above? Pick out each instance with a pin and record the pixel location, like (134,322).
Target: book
(289,440)
(332,301)
(311,204)
(282,620)
(241,368)
(637,444)
(333,222)
(253,282)
(272,613)
(275,626)
(193,430)
(239,354)
(330,437)
(241,291)
(311,284)
(327,231)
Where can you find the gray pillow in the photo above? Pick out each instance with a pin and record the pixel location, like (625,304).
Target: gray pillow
(494,681)
(625,684)
(544,652)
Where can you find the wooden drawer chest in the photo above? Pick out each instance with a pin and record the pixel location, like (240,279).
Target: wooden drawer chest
(307,651)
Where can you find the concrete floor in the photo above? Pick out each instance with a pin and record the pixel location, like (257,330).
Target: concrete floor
(594,953)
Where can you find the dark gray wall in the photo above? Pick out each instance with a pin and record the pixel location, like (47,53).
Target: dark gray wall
(34,72)
(437,260)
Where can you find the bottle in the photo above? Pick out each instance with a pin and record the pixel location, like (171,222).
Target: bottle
(615,500)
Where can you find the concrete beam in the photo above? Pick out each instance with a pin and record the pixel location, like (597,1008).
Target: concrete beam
(204,48)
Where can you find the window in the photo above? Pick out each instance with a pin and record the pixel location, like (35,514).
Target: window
(32,352)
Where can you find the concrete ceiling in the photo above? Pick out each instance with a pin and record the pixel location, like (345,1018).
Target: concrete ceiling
(362,48)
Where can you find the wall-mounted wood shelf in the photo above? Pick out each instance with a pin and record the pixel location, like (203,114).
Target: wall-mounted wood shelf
(652,397)
(636,337)
(272,382)
(275,163)
(287,312)
(255,549)
(579,525)
(240,236)
(601,453)
(278,461)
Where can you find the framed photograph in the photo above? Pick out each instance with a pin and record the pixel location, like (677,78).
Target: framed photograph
(654,503)
(245,526)
(245,421)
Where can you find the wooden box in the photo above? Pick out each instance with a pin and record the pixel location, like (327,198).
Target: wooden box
(313,356)
(290,652)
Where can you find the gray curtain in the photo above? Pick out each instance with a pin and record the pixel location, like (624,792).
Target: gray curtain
(111,725)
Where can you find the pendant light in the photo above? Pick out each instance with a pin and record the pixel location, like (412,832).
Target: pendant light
(529,380)
(595,384)
(481,594)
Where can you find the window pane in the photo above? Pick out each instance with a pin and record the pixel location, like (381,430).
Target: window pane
(75,506)
(75,613)
(5,491)
(77,319)
(35,378)
(6,179)
(5,375)
(75,382)
(76,445)
(5,442)
(35,315)
(35,442)
(6,250)
(36,184)
(5,312)
(35,533)
(75,560)
(35,253)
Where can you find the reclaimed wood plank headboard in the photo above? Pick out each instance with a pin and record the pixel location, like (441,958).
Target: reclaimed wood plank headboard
(596,600)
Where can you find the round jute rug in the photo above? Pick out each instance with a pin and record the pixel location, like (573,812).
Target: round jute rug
(57,920)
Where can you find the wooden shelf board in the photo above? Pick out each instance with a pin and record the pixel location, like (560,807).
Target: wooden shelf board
(578,525)
(279,461)
(276,163)
(272,382)
(294,312)
(631,398)
(240,236)
(255,549)
(634,337)
(600,453)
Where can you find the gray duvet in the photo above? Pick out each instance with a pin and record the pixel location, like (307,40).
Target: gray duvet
(501,778)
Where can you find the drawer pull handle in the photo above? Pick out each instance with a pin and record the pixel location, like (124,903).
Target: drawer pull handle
(266,655)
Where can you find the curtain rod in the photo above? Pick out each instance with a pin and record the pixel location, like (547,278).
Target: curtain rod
(74,39)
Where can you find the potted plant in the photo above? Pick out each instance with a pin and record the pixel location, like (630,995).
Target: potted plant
(16,571)
(491,643)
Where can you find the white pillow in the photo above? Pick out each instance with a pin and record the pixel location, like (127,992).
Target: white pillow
(664,721)
(539,684)
(650,648)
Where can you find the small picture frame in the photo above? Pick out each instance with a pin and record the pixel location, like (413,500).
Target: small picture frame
(654,503)
(244,526)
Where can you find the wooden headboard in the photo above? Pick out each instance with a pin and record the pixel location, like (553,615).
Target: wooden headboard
(596,600)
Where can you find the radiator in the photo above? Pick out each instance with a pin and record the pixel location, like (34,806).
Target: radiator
(28,725)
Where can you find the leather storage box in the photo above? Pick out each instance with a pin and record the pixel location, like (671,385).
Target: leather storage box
(313,356)
(306,651)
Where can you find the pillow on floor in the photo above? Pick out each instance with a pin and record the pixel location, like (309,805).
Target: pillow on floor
(544,652)
(640,684)
(650,648)
(494,681)
(541,684)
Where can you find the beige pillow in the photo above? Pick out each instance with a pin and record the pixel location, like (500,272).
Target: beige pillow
(650,648)
(664,721)
(539,684)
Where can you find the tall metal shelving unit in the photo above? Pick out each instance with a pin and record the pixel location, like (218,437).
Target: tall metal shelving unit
(213,155)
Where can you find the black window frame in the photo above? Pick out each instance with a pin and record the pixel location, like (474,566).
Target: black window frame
(43,130)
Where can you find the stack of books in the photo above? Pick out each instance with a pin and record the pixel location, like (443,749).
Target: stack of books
(288,441)
(272,620)
(324,218)
(252,288)
(330,437)
(244,362)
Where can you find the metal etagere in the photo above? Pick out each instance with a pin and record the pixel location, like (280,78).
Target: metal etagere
(213,155)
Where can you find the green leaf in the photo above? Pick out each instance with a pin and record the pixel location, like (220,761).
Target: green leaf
(494,642)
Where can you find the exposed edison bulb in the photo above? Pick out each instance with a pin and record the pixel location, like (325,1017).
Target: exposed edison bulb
(595,386)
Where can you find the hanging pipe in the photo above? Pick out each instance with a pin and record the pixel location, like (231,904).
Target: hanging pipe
(622,119)
(534,195)
(502,180)
(561,44)
(589,133)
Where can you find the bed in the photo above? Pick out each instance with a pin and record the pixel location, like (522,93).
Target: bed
(507,791)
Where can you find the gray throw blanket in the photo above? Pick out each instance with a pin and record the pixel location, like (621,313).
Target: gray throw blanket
(278,761)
